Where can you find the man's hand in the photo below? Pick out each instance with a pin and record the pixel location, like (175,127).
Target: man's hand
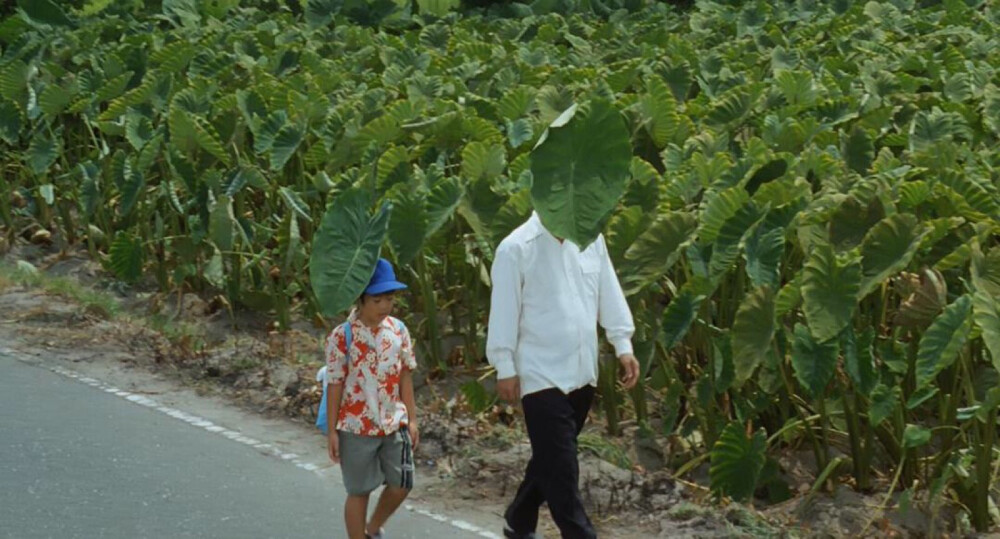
(414,432)
(630,365)
(333,442)
(509,389)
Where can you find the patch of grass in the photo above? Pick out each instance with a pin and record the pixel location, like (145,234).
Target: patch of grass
(743,522)
(94,301)
(687,511)
(604,449)
(187,336)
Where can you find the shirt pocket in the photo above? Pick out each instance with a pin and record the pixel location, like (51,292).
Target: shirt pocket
(590,270)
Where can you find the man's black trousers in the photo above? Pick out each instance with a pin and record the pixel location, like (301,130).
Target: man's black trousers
(554,420)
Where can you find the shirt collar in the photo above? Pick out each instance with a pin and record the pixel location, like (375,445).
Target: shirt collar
(355,320)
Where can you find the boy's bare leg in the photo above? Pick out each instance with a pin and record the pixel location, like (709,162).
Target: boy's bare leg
(355,511)
(388,502)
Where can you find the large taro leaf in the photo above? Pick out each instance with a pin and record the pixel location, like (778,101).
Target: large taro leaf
(320,13)
(858,150)
(985,270)
(752,331)
(737,459)
(222,223)
(511,215)
(763,252)
(126,257)
(679,316)
(654,251)
(345,250)
(829,291)
(924,296)
(942,341)
(813,362)
(579,171)
(658,109)
(727,244)
(45,12)
(10,122)
(887,249)
(408,226)
(859,361)
(285,143)
(442,201)
(42,152)
(717,209)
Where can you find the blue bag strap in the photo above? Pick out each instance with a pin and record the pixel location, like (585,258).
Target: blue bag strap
(347,341)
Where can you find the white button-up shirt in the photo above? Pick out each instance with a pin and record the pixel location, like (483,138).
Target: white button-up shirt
(548,297)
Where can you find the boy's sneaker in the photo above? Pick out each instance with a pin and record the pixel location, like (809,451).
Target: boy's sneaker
(378,535)
(509,533)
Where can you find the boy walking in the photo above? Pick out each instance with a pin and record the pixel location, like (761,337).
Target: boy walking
(547,300)
(371,405)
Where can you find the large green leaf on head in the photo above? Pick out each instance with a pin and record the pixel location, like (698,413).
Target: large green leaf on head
(813,362)
(345,250)
(579,171)
(753,329)
(655,251)
(830,286)
(737,459)
(888,248)
(45,12)
(943,340)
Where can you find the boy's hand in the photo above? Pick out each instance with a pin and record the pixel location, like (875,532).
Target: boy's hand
(631,366)
(333,442)
(509,389)
(414,434)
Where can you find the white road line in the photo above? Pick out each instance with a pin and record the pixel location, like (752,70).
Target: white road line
(265,448)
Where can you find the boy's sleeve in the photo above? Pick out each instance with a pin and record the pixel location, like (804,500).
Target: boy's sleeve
(336,356)
(406,354)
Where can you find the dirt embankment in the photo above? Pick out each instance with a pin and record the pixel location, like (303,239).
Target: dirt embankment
(468,462)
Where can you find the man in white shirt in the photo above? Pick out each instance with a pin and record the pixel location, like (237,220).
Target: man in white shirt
(547,300)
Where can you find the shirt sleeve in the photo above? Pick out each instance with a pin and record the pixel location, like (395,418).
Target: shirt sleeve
(613,311)
(336,356)
(406,354)
(505,312)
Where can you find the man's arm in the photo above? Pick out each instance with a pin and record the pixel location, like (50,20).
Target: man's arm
(505,315)
(616,318)
(612,311)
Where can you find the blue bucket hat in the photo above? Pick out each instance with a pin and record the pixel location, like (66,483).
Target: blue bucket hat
(383,280)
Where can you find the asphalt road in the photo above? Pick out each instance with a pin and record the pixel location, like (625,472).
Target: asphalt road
(78,462)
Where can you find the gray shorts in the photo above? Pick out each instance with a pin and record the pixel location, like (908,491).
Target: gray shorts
(367,462)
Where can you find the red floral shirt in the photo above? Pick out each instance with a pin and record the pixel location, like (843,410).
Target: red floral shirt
(372,404)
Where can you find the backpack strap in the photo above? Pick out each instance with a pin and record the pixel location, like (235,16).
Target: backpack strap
(347,341)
